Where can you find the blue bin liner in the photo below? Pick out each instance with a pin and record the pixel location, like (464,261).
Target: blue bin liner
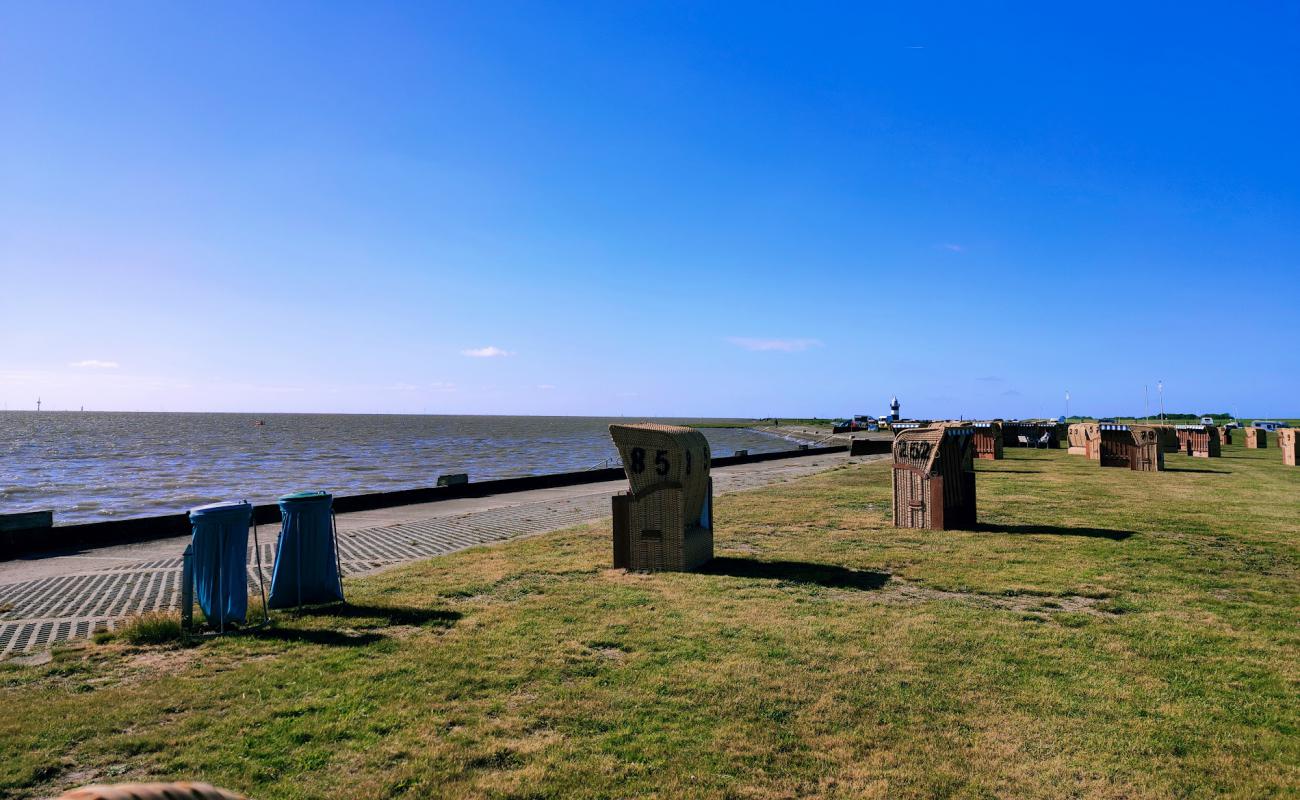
(306,563)
(220,559)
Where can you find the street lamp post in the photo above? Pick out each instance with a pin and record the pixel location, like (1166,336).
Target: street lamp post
(1160,388)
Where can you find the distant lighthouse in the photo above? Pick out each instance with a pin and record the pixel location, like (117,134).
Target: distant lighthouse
(38,404)
(893,409)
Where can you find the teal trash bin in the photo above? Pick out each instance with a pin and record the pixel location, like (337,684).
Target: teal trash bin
(219,553)
(306,568)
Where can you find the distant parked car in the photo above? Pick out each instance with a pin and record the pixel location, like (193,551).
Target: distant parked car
(1207,420)
(1106,419)
(1268,424)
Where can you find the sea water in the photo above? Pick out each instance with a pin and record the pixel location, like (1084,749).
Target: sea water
(91,466)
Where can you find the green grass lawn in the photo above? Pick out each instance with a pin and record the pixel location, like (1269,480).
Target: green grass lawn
(1106,634)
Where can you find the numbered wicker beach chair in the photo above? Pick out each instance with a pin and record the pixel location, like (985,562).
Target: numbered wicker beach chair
(1084,439)
(1288,439)
(1134,446)
(666,521)
(1076,439)
(934,478)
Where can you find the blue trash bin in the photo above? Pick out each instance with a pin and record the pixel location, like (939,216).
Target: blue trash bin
(220,559)
(306,557)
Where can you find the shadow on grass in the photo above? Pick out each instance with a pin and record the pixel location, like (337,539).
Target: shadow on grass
(391,615)
(1053,530)
(1205,471)
(325,636)
(797,572)
(1009,471)
(357,615)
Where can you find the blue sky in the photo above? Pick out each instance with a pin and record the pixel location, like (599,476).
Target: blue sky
(649,209)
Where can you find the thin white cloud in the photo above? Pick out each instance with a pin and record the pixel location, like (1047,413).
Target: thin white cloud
(442,386)
(546,387)
(486,352)
(774,345)
(92,363)
(952,248)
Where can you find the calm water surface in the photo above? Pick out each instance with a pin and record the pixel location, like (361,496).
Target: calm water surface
(93,466)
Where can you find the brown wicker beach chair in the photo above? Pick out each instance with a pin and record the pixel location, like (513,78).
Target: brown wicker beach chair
(1134,446)
(934,478)
(1201,441)
(1288,439)
(666,521)
(988,440)
(1077,436)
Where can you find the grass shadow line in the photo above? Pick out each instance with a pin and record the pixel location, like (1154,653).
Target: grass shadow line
(1203,471)
(324,636)
(1053,530)
(359,615)
(392,615)
(797,572)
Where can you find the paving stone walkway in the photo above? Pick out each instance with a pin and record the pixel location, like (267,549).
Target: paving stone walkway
(36,614)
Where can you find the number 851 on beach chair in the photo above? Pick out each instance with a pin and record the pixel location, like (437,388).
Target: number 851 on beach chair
(666,521)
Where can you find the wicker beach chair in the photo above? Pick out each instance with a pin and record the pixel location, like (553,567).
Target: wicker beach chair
(988,440)
(1134,446)
(934,478)
(666,521)
(1288,439)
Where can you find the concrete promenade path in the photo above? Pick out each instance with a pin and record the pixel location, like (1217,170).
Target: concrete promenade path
(51,598)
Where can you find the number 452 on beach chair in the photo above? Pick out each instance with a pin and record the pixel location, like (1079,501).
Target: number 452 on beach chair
(666,521)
